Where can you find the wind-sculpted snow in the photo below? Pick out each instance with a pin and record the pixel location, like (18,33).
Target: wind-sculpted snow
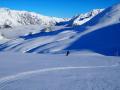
(38,42)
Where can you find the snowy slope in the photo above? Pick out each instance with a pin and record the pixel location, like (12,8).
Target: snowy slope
(108,17)
(38,42)
(58,72)
(101,34)
(16,18)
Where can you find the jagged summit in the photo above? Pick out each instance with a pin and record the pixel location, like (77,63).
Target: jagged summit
(108,17)
(83,18)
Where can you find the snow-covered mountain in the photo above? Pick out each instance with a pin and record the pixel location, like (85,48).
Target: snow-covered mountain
(83,18)
(11,18)
(100,34)
(16,18)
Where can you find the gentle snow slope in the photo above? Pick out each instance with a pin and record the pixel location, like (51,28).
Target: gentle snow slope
(39,42)
(58,72)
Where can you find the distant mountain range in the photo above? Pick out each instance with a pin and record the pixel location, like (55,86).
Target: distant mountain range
(16,18)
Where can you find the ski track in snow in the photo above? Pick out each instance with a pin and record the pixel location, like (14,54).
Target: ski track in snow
(9,79)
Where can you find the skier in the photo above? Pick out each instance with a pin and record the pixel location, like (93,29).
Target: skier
(67,53)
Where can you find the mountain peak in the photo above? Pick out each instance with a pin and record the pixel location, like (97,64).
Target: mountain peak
(82,18)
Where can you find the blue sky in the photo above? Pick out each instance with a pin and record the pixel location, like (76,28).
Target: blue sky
(58,8)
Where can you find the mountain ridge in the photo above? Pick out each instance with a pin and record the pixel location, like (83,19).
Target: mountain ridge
(16,18)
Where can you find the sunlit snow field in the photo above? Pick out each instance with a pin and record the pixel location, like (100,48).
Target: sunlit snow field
(78,71)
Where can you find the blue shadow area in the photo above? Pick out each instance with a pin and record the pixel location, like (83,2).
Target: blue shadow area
(105,41)
(40,34)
